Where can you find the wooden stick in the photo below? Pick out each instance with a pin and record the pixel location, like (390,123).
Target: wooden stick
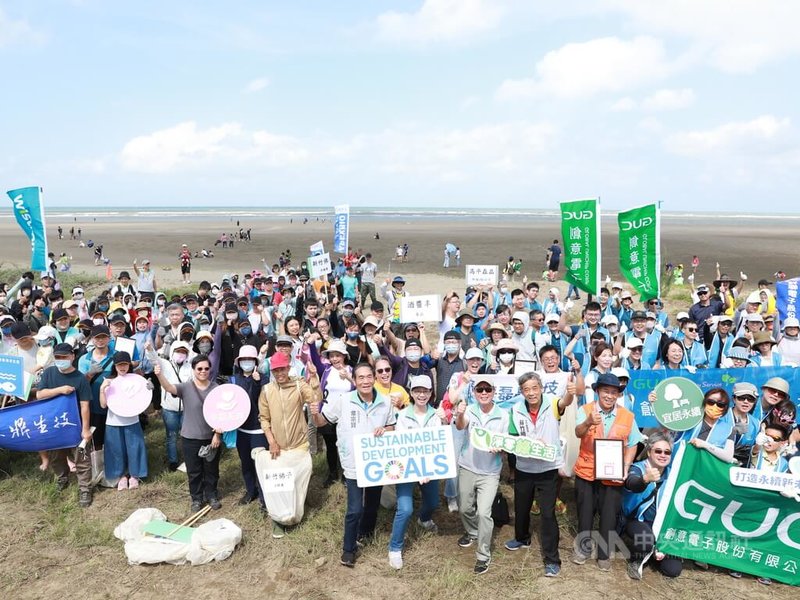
(190,521)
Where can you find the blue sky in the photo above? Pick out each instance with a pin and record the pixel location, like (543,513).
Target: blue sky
(514,103)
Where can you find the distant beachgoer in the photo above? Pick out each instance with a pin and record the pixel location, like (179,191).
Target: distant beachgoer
(147,280)
(186,263)
(458,256)
(553,260)
(695,263)
(60,233)
(446,257)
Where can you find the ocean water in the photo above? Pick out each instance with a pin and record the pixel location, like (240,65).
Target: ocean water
(67,215)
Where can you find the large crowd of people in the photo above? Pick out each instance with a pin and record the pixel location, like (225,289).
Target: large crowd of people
(323,360)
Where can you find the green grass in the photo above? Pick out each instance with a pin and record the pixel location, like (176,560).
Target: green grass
(92,284)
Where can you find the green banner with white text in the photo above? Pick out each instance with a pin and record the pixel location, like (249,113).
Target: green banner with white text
(703,516)
(580,228)
(640,249)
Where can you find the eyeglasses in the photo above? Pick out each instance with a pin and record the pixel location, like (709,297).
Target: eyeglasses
(659,451)
(724,323)
(484,389)
(719,403)
(637,349)
(389,370)
(202,369)
(702,293)
(691,329)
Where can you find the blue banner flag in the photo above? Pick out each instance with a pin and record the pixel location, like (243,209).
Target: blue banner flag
(341,228)
(29,212)
(786,298)
(12,380)
(642,383)
(41,425)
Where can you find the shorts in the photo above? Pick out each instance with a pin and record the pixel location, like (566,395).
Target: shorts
(185,269)
(554,264)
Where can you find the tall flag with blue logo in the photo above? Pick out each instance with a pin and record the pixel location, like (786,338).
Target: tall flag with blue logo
(29,212)
(580,227)
(640,249)
(341,228)
(787,298)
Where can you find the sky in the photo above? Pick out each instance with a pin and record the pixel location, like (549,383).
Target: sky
(451,103)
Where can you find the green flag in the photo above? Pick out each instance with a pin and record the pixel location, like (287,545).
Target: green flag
(640,249)
(580,228)
(706,513)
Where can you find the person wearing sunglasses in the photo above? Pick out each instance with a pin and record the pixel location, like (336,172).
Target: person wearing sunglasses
(203,474)
(745,396)
(719,341)
(708,305)
(773,392)
(364,410)
(479,470)
(715,433)
(640,503)
(694,352)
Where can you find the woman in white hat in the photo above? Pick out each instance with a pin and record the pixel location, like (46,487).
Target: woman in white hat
(505,356)
(177,370)
(417,415)
(336,381)
(250,435)
(789,344)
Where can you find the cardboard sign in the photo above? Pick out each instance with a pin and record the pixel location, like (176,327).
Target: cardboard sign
(482,274)
(128,396)
(403,456)
(417,309)
(11,378)
(319,264)
(227,406)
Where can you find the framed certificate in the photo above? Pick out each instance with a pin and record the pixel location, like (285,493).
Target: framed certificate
(608,459)
(123,344)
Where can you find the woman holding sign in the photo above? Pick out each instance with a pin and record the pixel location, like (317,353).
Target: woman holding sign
(537,418)
(124,450)
(416,416)
(200,442)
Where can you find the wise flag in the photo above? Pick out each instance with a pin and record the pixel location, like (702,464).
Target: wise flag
(580,228)
(705,514)
(29,212)
(640,249)
(341,228)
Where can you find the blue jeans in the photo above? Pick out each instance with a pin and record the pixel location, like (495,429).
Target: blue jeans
(124,451)
(362,512)
(172,423)
(572,289)
(405,508)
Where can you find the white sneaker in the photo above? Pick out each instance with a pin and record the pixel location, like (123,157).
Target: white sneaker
(452,505)
(396,560)
(428,526)
(182,467)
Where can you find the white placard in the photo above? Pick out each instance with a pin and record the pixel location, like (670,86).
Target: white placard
(403,456)
(123,344)
(279,480)
(417,309)
(608,459)
(317,248)
(506,387)
(765,480)
(319,265)
(482,274)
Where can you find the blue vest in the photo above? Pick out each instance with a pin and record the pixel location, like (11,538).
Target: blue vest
(635,505)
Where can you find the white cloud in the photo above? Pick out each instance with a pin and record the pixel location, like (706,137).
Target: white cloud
(17,32)
(439,21)
(669,100)
(624,104)
(256,85)
(185,146)
(735,36)
(601,65)
(761,135)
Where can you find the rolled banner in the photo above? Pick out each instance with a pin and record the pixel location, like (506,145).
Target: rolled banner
(226,407)
(128,396)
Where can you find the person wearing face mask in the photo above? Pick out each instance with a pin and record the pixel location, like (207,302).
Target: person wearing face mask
(716,433)
(448,363)
(601,419)
(64,378)
(176,370)
(505,355)
(207,344)
(8,342)
(249,435)
(36,318)
(407,366)
(357,350)
(640,503)
(789,344)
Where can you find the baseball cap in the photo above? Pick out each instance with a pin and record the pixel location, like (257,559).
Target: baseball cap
(413,343)
(420,381)
(743,388)
(682,316)
(121,357)
(100,330)
(552,318)
(59,313)
(473,353)
(633,342)
(452,335)
(376,306)
(348,302)
(702,288)
(638,314)
(63,350)
(77,290)
(284,339)
(20,330)
(279,361)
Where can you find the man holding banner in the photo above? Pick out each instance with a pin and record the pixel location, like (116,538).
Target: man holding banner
(61,379)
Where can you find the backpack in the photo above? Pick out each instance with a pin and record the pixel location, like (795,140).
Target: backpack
(500,514)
